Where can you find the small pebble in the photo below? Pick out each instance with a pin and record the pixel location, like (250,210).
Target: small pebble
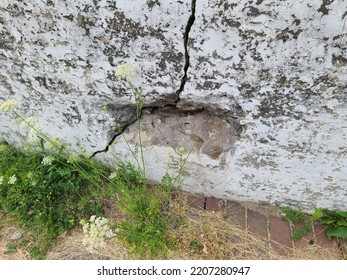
(16,236)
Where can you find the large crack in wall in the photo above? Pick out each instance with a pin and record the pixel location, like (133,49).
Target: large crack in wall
(190,23)
(168,130)
(117,113)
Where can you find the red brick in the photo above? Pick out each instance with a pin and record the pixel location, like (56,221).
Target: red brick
(231,206)
(305,240)
(280,249)
(322,240)
(236,213)
(197,202)
(215,204)
(257,223)
(280,231)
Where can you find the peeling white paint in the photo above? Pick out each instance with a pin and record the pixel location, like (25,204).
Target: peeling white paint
(278,69)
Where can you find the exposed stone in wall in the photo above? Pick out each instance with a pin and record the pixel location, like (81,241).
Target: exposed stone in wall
(210,135)
(261,84)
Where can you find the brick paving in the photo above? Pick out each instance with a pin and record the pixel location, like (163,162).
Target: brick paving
(266,224)
(236,213)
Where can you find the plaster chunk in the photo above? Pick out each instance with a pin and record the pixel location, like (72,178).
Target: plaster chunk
(210,135)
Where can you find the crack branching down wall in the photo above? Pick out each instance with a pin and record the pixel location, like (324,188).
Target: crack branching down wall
(190,23)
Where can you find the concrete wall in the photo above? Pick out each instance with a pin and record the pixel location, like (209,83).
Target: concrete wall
(261,84)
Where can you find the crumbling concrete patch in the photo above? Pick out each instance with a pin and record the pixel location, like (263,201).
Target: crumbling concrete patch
(210,134)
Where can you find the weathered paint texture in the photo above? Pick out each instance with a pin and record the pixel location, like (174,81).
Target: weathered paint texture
(259,87)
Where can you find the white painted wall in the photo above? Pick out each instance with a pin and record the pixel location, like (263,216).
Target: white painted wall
(271,74)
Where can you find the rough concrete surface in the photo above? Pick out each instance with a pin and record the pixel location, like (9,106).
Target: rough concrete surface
(261,84)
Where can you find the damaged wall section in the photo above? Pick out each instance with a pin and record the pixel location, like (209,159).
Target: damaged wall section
(261,84)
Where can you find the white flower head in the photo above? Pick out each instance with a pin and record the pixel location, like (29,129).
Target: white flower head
(9,105)
(73,157)
(113,175)
(92,218)
(12,180)
(96,231)
(47,160)
(125,71)
(1,179)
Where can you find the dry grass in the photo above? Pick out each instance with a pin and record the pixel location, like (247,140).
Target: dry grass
(200,235)
(207,235)
(6,232)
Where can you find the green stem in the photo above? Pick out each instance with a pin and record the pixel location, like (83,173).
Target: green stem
(139,106)
(183,163)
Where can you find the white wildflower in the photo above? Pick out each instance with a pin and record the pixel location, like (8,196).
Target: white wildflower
(125,71)
(72,158)
(112,175)
(9,105)
(12,180)
(1,179)
(47,160)
(92,218)
(96,231)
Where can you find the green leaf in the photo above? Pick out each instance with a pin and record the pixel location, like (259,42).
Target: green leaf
(337,232)
(327,220)
(318,213)
(335,213)
(342,222)
(342,214)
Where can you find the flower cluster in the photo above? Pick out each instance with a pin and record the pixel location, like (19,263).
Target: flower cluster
(34,133)
(96,231)
(8,105)
(113,175)
(73,157)
(125,71)
(47,160)
(12,180)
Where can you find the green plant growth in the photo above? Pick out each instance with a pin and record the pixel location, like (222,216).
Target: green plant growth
(48,189)
(296,216)
(145,228)
(336,222)
(45,194)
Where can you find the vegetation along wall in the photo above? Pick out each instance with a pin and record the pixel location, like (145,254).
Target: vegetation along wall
(259,86)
